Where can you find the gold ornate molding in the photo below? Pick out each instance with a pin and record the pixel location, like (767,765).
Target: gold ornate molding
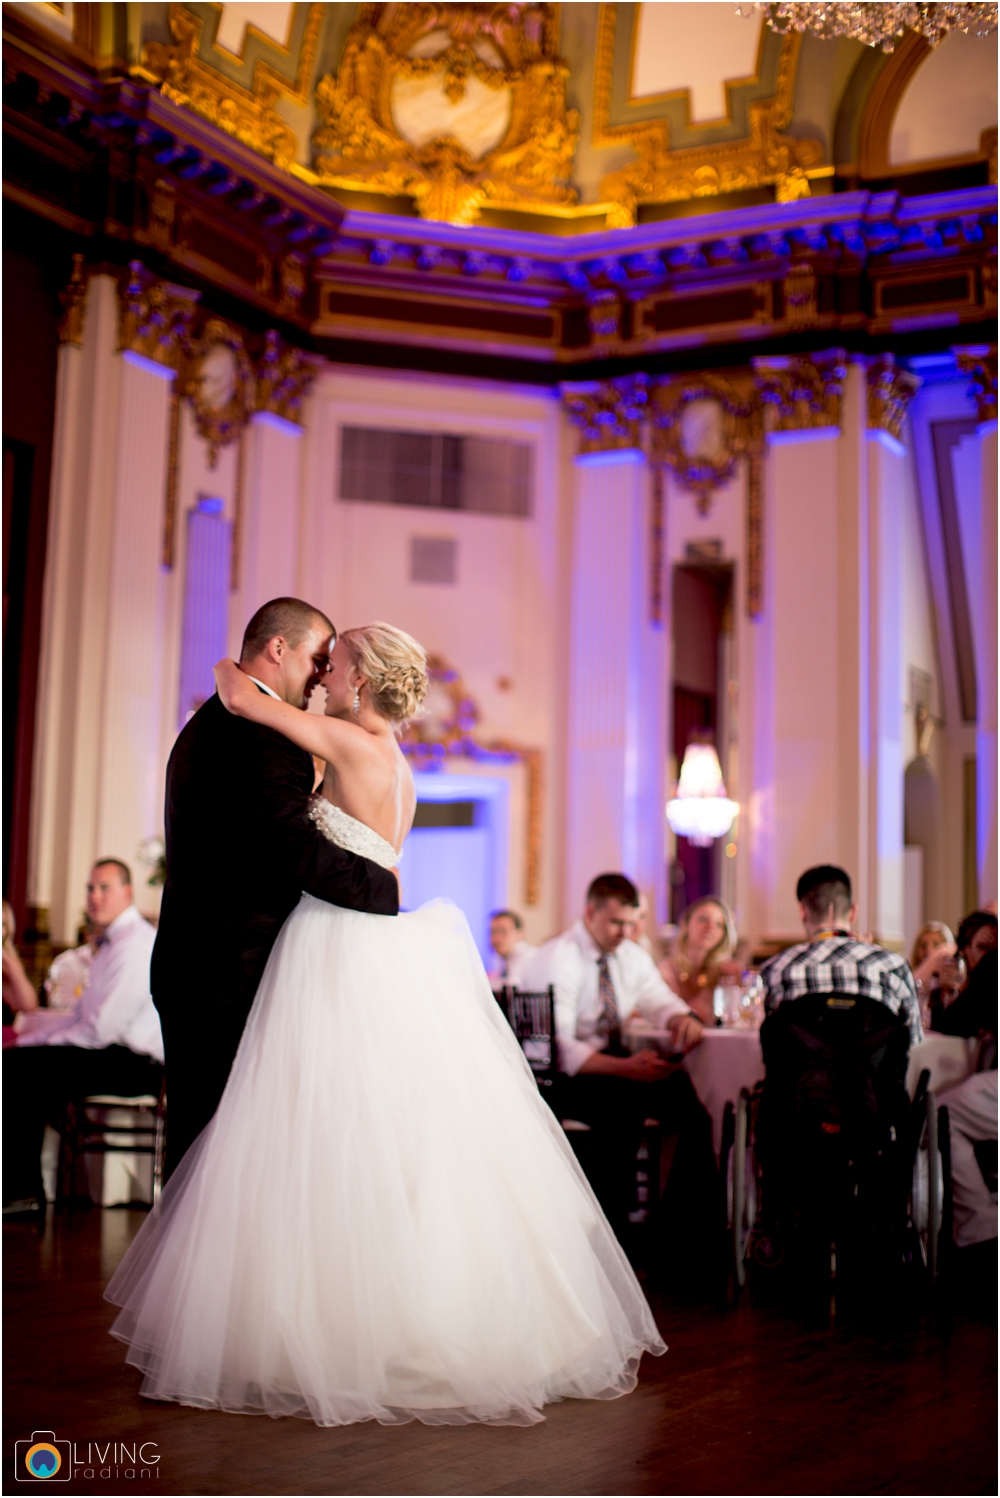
(508,49)
(702,456)
(248,114)
(284,376)
(219,383)
(766,157)
(155,318)
(979,362)
(73,299)
(802,390)
(890,390)
(609,413)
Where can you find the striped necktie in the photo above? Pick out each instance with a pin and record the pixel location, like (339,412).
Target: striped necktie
(608,1022)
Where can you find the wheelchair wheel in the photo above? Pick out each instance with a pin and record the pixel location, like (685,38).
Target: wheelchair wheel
(743,1188)
(927,1197)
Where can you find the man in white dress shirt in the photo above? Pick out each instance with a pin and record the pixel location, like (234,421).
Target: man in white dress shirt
(108,1042)
(507,941)
(601,978)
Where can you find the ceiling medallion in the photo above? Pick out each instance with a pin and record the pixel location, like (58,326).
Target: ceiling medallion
(881,24)
(455,105)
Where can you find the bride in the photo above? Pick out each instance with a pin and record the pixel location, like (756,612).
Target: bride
(383,1220)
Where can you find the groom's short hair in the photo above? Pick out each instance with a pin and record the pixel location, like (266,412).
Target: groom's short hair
(612,887)
(289,617)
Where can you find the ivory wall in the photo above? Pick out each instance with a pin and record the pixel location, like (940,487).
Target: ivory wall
(549,625)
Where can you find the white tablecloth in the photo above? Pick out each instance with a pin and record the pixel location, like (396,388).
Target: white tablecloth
(948,1058)
(720,1066)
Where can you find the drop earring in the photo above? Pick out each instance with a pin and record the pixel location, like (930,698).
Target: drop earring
(356,704)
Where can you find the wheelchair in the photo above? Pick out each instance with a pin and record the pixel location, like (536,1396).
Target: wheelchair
(828,1163)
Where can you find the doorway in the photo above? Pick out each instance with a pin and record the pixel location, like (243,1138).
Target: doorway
(702,668)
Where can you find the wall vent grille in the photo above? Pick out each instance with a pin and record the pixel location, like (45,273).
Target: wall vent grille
(488,475)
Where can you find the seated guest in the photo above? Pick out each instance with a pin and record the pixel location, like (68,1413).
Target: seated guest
(702,954)
(972,1106)
(507,941)
(977,935)
(601,978)
(833,959)
(933,937)
(109,1042)
(18,992)
(638,930)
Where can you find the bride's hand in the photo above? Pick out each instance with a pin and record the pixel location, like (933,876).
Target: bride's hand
(230,683)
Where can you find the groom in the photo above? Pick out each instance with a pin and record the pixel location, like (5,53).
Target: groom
(240,851)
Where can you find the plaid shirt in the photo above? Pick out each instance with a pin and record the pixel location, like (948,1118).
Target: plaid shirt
(842,964)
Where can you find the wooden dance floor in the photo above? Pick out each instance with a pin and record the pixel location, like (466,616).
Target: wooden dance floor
(745,1401)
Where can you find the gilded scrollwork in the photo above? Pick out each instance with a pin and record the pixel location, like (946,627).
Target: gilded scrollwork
(521,149)
(156,318)
(219,383)
(610,413)
(701,426)
(284,377)
(890,390)
(802,391)
(979,362)
(248,114)
(766,157)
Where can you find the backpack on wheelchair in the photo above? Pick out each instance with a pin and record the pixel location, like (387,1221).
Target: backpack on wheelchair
(822,1168)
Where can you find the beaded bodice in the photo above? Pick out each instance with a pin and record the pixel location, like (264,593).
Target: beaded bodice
(347,832)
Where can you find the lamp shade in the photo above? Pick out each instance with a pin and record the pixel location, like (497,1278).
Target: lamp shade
(701,811)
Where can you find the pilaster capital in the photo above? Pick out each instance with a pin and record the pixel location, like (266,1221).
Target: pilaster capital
(803,390)
(979,362)
(155,318)
(609,413)
(284,376)
(890,390)
(73,298)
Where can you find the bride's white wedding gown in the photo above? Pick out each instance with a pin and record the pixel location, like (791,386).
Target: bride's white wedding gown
(383,1220)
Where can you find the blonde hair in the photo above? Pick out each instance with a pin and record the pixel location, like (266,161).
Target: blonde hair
(724,947)
(940,929)
(394,666)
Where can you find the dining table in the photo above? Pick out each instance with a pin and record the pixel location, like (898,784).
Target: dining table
(723,1062)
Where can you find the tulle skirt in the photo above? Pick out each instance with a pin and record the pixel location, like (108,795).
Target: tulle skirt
(384,1220)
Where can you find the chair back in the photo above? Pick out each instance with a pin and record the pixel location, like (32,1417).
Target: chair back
(531,1015)
(835,1071)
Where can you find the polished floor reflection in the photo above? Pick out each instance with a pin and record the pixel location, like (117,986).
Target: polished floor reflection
(744,1402)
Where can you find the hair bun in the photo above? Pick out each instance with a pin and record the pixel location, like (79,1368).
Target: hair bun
(395,667)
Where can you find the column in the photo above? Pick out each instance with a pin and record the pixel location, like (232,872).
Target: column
(979,362)
(616,750)
(271,502)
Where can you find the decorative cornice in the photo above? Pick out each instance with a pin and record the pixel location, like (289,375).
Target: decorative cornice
(609,413)
(802,391)
(979,362)
(890,390)
(284,376)
(155,318)
(73,299)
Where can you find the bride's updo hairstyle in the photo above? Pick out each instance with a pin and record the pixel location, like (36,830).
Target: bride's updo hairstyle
(394,666)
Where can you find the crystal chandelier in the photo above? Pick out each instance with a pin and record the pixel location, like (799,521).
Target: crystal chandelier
(882,23)
(701,811)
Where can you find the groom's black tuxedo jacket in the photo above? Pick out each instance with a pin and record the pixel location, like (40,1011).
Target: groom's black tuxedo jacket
(240,850)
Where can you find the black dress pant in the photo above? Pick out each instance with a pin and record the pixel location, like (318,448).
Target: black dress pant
(198,1064)
(38,1082)
(616,1108)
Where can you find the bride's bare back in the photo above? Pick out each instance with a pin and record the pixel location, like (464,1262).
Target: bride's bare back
(366,773)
